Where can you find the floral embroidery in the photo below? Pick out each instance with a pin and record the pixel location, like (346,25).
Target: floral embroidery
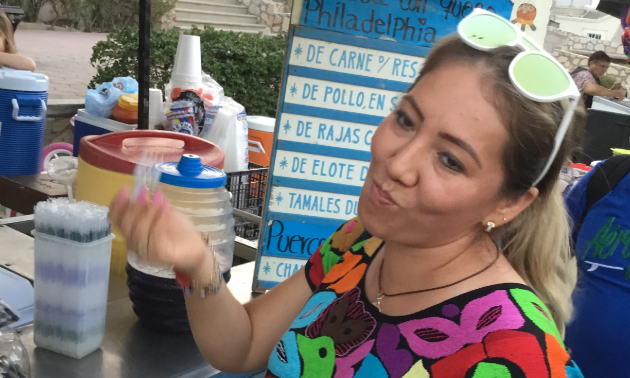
(346,274)
(345,321)
(417,371)
(285,361)
(438,337)
(481,334)
(371,368)
(519,348)
(396,361)
(315,269)
(536,311)
(557,357)
(313,308)
(318,356)
(344,364)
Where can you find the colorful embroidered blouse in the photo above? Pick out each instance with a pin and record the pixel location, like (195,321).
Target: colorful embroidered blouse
(498,331)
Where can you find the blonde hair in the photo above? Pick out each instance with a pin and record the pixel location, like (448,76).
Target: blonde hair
(6,29)
(536,242)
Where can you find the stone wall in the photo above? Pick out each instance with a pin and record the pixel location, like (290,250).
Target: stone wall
(571,61)
(276,15)
(58,127)
(557,39)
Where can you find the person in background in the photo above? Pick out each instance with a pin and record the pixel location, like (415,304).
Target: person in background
(587,79)
(598,336)
(8,50)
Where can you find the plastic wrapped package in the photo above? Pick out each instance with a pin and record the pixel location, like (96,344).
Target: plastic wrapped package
(64,171)
(211,87)
(100,102)
(181,118)
(218,135)
(226,126)
(227,103)
(202,94)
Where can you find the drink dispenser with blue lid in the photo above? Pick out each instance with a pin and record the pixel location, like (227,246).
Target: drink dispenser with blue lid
(198,191)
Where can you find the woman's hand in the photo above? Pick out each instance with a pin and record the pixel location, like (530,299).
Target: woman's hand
(620,94)
(157,232)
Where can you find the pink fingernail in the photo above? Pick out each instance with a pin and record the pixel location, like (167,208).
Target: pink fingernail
(142,197)
(164,205)
(124,194)
(350,226)
(157,198)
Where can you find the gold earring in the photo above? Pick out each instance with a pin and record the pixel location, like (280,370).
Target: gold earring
(490,226)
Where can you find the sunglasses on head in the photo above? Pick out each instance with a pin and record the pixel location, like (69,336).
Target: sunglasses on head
(534,73)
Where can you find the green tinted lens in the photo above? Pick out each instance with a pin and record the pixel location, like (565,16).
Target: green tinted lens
(488,31)
(540,76)
(528,45)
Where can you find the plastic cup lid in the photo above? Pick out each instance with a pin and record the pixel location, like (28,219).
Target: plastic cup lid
(129,101)
(190,173)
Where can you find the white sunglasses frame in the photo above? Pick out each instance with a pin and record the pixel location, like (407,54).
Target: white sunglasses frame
(529,47)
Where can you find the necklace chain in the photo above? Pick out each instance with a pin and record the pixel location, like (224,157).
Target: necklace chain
(382,295)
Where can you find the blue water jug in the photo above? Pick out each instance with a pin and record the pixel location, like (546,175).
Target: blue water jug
(23,98)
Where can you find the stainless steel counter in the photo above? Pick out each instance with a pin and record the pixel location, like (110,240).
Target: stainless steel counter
(129,350)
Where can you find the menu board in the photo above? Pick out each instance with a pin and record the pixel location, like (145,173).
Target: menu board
(348,63)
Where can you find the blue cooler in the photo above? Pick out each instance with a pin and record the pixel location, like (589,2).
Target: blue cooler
(23,97)
(86,124)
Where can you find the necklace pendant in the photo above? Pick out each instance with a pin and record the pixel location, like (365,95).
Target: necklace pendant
(377,303)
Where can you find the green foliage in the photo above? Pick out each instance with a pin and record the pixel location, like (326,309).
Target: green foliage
(13,3)
(118,56)
(96,15)
(31,9)
(607,81)
(107,15)
(247,66)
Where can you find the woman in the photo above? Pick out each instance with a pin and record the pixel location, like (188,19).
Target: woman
(416,285)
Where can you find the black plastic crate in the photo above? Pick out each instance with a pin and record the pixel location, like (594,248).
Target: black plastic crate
(248,190)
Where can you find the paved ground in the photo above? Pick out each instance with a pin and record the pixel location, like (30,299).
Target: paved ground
(63,56)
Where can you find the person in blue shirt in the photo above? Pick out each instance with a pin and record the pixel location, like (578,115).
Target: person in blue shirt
(598,337)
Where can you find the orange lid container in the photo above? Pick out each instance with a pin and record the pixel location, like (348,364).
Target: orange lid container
(128,101)
(125,116)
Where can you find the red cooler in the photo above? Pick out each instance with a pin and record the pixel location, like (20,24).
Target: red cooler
(106,164)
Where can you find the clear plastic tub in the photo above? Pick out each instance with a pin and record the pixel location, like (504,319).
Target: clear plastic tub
(71,281)
(199,193)
(210,210)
